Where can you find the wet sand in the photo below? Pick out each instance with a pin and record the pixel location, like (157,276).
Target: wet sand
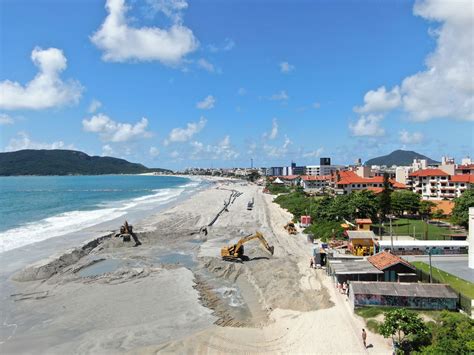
(175,294)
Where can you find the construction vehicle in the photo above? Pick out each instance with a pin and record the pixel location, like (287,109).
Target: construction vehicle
(290,228)
(236,252)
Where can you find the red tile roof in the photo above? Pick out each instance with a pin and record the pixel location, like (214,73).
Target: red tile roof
(349,177)
(385,259)
(316,178)
(465,167)
(375,190)
(363,221)
(463,178)
(429,172)
(289,177)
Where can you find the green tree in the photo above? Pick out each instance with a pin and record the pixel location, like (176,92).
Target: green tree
(253,176)
(403,326)
(385,201)
(453,333)
(426,208)
(460,214)
(405,201)
(438,214)
(340,208)
(364,204)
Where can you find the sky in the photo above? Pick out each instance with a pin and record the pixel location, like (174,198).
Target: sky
(177,83)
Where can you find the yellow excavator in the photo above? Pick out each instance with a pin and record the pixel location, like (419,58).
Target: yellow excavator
(236,251)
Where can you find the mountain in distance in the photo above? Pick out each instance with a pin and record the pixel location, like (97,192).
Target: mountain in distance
(66,162)
(400,158)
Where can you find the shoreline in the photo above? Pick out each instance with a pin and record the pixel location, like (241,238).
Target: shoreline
(114,298)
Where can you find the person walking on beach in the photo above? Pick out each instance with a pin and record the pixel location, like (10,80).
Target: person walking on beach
(364,338)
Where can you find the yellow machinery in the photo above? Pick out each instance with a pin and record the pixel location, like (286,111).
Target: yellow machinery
(236,251)
(290,228)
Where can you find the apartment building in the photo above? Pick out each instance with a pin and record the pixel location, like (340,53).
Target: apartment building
(346,182)
(436,184)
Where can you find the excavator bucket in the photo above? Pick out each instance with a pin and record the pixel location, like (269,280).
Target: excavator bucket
(271,249)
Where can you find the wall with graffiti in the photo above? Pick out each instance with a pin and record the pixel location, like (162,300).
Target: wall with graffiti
(402,301)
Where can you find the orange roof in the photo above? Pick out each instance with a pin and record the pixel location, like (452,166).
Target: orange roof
(463,178)
(289,177)
(385,259)
(363,221)
(429,172)
(350,177)
(444,205)
(316,178)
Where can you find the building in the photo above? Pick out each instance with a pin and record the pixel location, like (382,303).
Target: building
(346,182)
(361,242)
(324,161)
(315,183)
(465,169)
(291,180)
(363,224)
(353,270)
(391,265)
(322,170)
(424,247)
(275,171)
(406,295)
(436,184)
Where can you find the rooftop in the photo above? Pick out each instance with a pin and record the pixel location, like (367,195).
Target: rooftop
(360,234)
(402,289)
(429,172)
(385,259)
(363,221)
(354,267)
(463,178)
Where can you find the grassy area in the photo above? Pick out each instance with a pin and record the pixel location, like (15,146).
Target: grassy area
(405,226)
(459,285)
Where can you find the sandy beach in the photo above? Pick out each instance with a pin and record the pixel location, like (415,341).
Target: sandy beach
(174,294)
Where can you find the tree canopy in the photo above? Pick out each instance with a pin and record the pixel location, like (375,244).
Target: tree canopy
(405,201)
(460,214)
(402,325)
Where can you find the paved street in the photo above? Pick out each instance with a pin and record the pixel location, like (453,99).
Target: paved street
(456,265)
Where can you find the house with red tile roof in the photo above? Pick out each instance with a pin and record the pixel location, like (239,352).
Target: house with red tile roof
(436,184)
(315,183)
(391,265)
(348,181)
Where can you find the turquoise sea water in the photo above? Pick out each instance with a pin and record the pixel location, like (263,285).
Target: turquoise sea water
(35,208)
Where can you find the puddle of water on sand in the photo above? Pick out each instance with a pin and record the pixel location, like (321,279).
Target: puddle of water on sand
(106,266)
(176,258)
(231,295)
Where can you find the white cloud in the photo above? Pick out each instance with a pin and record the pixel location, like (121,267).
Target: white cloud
(317,105)
(207,103)
(410,138)
(5,119)
(242,91)
(46,90)
(445,89)
(228,45)
(367,125)
(185,134)
(171,8)
(222,151)
(275,151)
(107,150)
(154,151)
(112,131)
(314,154)
(280,96)
(286,67)
(174,154)
(120,42)
(380,100)
(204,64)
(94,106)
(274,131)
(23,141)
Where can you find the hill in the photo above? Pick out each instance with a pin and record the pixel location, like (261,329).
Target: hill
(399,157)
(65,162)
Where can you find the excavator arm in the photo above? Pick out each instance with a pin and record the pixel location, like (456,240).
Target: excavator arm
(236,251)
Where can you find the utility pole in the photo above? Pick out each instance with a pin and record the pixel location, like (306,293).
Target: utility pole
(391,235)
(431,274)
(251,163)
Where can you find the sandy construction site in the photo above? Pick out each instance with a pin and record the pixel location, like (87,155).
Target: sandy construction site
(174,293)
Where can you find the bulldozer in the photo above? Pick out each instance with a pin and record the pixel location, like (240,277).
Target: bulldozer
(290,228)
(236,252)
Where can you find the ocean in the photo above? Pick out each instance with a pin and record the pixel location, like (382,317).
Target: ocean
(36,208)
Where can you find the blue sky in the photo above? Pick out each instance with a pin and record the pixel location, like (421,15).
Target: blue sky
(175,83)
